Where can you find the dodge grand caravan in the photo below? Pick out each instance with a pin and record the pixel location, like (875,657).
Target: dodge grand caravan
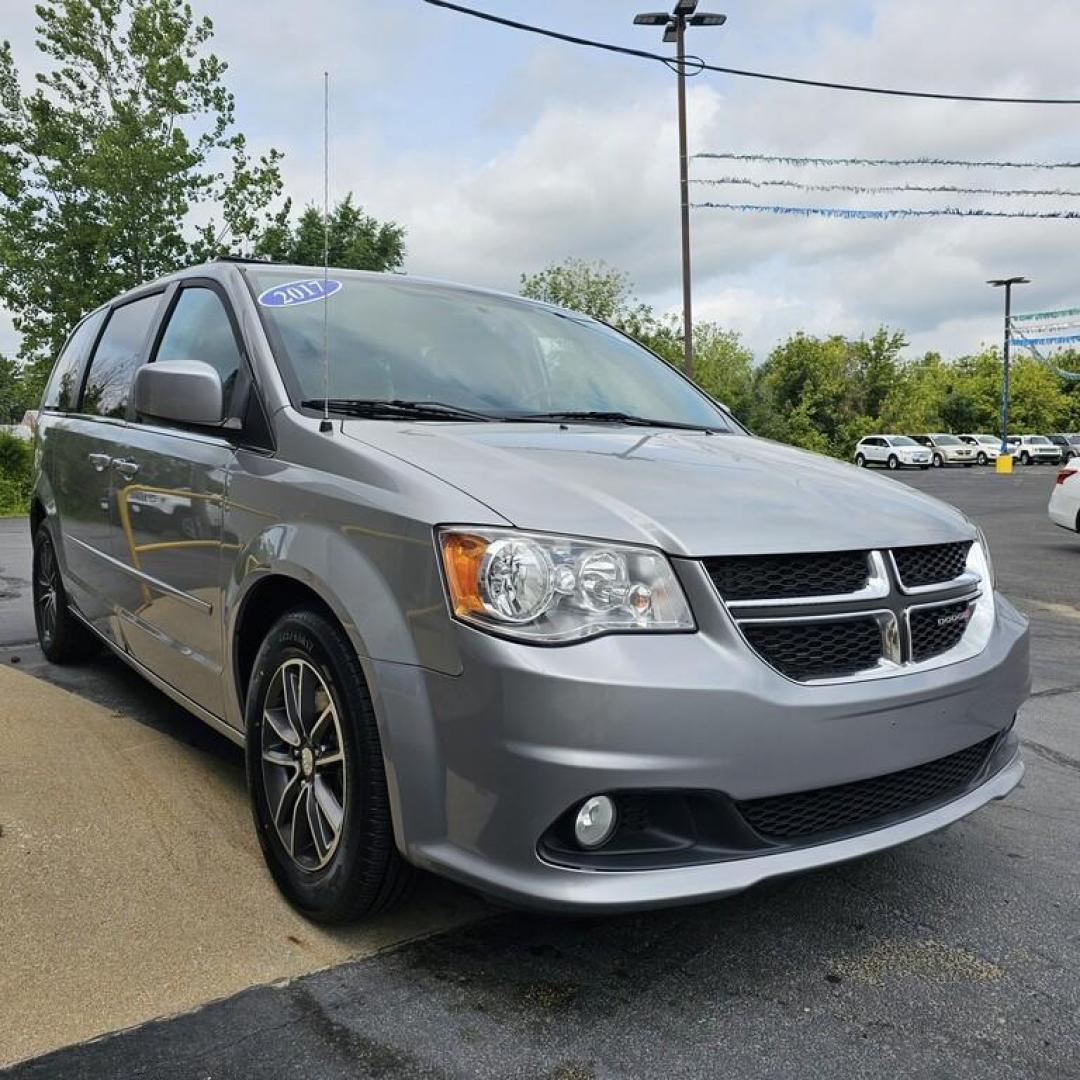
(484,587)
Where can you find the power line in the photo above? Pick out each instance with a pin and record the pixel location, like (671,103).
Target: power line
(841,212)
(695,65)
(884,188)
(786,159)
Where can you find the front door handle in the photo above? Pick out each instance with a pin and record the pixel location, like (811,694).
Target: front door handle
(125,467)
(100,461)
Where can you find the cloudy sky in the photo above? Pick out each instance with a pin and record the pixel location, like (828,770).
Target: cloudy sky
(502,152)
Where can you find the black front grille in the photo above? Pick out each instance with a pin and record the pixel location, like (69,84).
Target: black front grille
(791,818)
(932,564)
(778,577)
(817,650)
(936,630)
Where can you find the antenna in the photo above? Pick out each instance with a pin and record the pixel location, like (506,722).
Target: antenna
(325,426)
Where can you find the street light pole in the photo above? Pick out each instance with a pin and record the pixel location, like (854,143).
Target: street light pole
(1007,283)
(684,195)
(685,14)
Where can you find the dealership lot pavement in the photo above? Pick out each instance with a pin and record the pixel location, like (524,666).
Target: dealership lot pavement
(955,956)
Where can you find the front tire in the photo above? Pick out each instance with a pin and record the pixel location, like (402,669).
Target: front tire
(982,459)
(63,639)
(939,462)
(893,462)
(315,774)
(1025,459)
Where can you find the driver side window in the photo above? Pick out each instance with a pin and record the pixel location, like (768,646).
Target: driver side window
(199,329)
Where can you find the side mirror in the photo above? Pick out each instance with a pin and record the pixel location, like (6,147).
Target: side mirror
(183,391)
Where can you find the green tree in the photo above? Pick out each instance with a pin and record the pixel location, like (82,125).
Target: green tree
(593,288)
(356,239)
(723,366)
(127,132)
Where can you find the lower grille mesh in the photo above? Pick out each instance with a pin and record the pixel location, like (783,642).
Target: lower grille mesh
(804,814)
(817,650)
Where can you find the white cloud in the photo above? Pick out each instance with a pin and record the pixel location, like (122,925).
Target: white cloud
(501,153)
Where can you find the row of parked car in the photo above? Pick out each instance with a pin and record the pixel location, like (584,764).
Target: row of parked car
(936,450)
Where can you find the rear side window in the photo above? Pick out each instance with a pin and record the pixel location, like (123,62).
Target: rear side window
(199,329)
(117,356)
(62,392)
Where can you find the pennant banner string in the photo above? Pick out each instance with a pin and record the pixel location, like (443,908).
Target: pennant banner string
(784,159)
(1061,339)
(1071,376)
(841,212)
(1045,328)
(886,188)
(1062,313)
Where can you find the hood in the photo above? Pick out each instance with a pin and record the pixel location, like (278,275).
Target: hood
(685,492)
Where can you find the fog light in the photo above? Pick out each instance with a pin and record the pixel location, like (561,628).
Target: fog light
(595,822)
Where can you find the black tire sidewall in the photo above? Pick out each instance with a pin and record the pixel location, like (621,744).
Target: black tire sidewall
(938,461)
(71,640)
(335,892)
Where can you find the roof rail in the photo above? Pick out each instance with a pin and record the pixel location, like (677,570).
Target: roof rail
(246,259)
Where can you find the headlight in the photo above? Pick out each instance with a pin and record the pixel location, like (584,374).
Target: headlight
(557,589)
(986,570)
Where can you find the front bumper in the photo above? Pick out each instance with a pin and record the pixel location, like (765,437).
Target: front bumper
(481,764)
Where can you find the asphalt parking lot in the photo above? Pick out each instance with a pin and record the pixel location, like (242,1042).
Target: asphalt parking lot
(955,956)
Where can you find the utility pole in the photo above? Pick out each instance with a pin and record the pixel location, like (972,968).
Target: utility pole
(1007,283)
(685,14)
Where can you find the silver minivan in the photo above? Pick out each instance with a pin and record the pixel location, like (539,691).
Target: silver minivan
(485,588)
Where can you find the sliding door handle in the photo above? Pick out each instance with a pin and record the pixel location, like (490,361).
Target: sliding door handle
(125,467)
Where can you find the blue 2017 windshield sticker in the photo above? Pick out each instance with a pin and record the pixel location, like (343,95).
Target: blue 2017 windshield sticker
(299,292)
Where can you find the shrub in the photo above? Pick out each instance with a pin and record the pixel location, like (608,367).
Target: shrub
(16,457)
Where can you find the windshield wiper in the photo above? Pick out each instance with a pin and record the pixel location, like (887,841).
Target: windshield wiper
(374,409)
(599,416)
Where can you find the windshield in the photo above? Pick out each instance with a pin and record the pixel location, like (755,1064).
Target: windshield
(901,440)
(947,440)
(391,339)
(990,440)
(1039,440)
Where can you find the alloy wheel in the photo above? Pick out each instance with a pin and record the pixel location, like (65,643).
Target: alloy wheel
(303,764)
(47,592)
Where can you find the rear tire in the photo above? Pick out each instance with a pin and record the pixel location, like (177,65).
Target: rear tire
(893,462)
(318,789)
(63,638)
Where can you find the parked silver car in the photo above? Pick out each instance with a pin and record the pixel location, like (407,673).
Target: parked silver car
(947,449)
(499,594)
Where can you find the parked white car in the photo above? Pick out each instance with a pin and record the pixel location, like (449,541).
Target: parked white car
(987,447)
(892,451)
(1064,505)
(1034,450)
(946,449)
